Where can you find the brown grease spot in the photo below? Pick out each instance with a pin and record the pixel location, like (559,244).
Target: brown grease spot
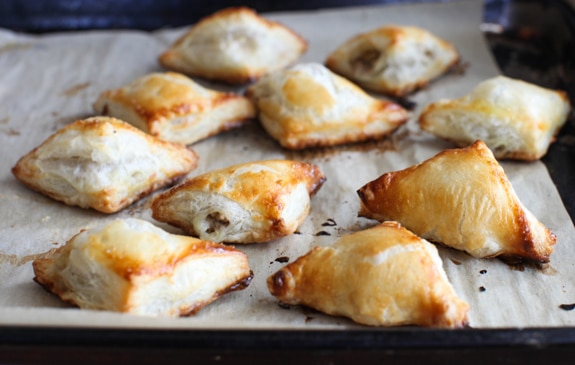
(11,132)
(282,259)
(75,89)
(16,260)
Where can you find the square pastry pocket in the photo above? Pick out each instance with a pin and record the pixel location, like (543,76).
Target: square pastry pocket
(103,163)
(234,45)
(173,107)
(515,119)
(132,266)
(394,60)
(309,106)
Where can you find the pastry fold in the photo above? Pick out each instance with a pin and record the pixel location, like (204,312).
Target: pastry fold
(132,266)
(382,276)
(103,163)
(463,199)
(251,202)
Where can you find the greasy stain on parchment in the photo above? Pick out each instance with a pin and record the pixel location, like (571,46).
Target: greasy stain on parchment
(75,89)
(16,260)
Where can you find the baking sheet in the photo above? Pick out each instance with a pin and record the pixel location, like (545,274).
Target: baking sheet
(51,80)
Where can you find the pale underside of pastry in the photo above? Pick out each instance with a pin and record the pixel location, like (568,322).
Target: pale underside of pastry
(394,60)
(234,45)
(245,203)
(309,106)
(132,266)
(463,199)
(173,107)
(103,163)
(516,119)
(382,276)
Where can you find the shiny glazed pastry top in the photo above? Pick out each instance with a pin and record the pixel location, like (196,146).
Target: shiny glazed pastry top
(463,199)
(381,276)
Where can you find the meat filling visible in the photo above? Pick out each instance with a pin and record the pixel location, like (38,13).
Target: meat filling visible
(216,221)
(365,61)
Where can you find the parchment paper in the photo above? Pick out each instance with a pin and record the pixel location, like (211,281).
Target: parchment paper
(51,80)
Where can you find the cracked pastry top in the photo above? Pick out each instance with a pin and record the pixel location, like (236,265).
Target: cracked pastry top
(132,266)
(381,276)
(462,199)
(307,105)
(516,119)
(394,60)
(173,107)
(234,45)
(251,202)
(102,163)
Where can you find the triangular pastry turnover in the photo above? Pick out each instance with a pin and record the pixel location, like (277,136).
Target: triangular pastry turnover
(382,276)
(463,199)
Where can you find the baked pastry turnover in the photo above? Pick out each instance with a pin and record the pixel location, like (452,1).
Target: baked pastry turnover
(134,267)
(234,45)
(395,60)
(174,108)
(382,276)
(251,202)
(516,119)
(102,163)
(462,199)
(309,106)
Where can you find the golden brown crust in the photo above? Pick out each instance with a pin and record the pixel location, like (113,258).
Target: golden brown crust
(251,202)
(462,199)
(382,276)
(267,46)
(117,163)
